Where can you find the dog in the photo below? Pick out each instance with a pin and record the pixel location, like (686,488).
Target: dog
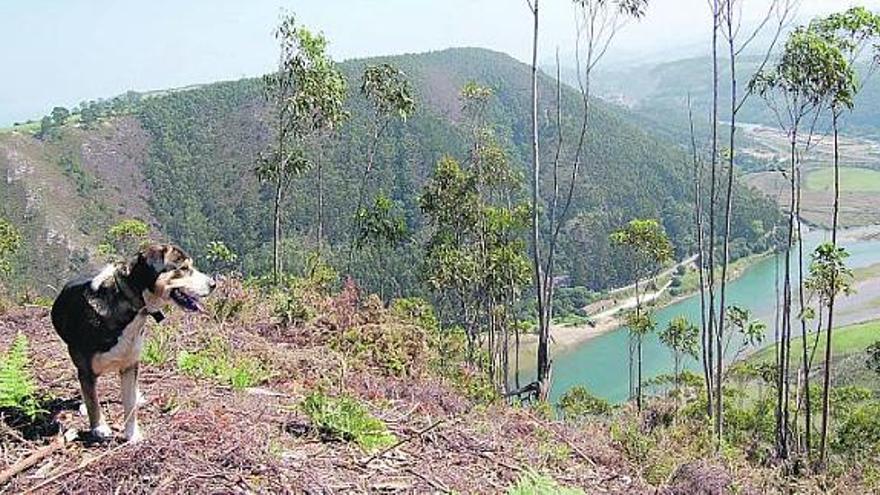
(101,319)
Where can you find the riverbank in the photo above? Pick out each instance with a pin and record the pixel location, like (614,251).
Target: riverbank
(611,309)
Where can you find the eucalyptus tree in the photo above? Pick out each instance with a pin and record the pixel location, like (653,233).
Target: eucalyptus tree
(681,337)
(829,277)
(851,32)
(306,94)
(388,91)
(598,22)
(648,249)
(475,259)
(727,23)
(796,89)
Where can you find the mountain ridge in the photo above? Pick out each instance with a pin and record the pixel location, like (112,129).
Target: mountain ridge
(201,143)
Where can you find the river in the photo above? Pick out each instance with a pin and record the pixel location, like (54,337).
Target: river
(600,364)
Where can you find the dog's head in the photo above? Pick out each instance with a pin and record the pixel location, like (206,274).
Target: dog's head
(167,274)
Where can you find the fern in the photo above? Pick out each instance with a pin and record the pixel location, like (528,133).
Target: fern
(17,389)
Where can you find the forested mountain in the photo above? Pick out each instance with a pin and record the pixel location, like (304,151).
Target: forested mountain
(183,161)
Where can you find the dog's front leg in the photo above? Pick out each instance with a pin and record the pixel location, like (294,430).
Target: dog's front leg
(130,402)
(88,385)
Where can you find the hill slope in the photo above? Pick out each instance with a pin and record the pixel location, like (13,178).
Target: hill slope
(182,160)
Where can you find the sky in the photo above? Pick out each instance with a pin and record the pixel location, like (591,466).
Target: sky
(61,52)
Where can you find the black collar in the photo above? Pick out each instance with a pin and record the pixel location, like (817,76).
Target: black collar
(137,299)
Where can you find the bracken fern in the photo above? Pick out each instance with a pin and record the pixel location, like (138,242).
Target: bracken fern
(17,389)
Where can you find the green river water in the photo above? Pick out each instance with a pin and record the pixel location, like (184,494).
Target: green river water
(600,364)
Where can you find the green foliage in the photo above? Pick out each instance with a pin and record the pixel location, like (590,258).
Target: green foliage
(218,253)
(475,259)
(227,124)
(873,357)
(158,348)
(847,32)
(752,331)
(858,432)
(681,337)
(345,418)
(289,307)
(578,404)
(219,362)
(59,115)
(532,483)
(648,244)
(388,89)
(17,389)
(829,276)
(125,238)
(572,301)
(392,348)
(640,324)
(383,224)
(10,242)
(811,70)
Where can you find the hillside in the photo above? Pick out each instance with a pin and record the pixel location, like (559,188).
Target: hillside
(658,94)
(249,429)
(659,91)
(182,160)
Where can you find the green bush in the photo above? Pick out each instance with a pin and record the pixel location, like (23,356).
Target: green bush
(578,403)
(157,349)
(346,419)
(289,308)
(858,431)
(17,389)
(218,362)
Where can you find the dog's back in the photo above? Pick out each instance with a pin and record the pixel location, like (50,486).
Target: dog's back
(90,319)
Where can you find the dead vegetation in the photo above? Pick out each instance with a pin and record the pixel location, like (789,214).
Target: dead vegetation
(205,435)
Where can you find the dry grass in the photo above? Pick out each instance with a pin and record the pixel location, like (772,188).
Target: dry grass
(202,436)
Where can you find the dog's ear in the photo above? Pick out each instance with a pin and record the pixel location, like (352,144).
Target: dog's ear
(153,257)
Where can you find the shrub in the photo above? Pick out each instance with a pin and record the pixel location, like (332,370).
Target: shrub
(578,403)
(346,419)
(230,299)
(17,389)
(532,483)
(289,307)
(157,349)
(858,431)
(218,362)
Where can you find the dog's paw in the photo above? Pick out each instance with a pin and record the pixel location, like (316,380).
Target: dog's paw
(134,436)
(83,410)
(102,432)
(141,400)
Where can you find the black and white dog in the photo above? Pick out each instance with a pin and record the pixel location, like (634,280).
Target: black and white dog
(101,319)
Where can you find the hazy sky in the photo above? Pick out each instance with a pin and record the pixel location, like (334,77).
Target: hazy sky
(65,51)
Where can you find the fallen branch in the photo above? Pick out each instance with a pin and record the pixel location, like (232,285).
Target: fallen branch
(53,479)
(401,442)
(435,483)
(35,457)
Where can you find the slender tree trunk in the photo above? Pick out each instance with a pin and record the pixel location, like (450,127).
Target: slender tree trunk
(362,190)
(713,184)
(801,305)
(698,220)
(783,394)
(320,234)
(543,377)
(826,377)
(276,232)
(728,214)
(637,341)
